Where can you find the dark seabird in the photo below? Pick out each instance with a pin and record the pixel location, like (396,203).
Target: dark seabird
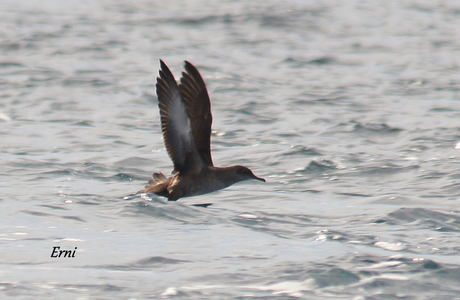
(185,111)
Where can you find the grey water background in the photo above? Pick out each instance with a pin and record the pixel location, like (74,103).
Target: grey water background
(349,109)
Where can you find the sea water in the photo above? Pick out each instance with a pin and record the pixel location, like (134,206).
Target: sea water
(349,109)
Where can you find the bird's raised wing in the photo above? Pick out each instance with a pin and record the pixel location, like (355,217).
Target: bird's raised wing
(195,96)
(176,124)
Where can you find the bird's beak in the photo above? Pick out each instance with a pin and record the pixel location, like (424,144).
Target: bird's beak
(259,178)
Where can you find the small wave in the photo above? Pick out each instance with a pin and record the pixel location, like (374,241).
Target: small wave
(301,62)
(10,64)
(320,165)
(384,168)
(80,81)
(426,218)
(302,150)
(375,128)
(143,264)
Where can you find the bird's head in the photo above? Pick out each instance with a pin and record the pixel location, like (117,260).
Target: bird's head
(242,173)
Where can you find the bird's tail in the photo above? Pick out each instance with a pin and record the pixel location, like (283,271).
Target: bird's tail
(158,185)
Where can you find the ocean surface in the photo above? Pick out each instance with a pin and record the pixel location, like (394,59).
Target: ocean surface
(349,109)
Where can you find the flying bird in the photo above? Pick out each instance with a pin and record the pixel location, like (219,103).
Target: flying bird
(185,111)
